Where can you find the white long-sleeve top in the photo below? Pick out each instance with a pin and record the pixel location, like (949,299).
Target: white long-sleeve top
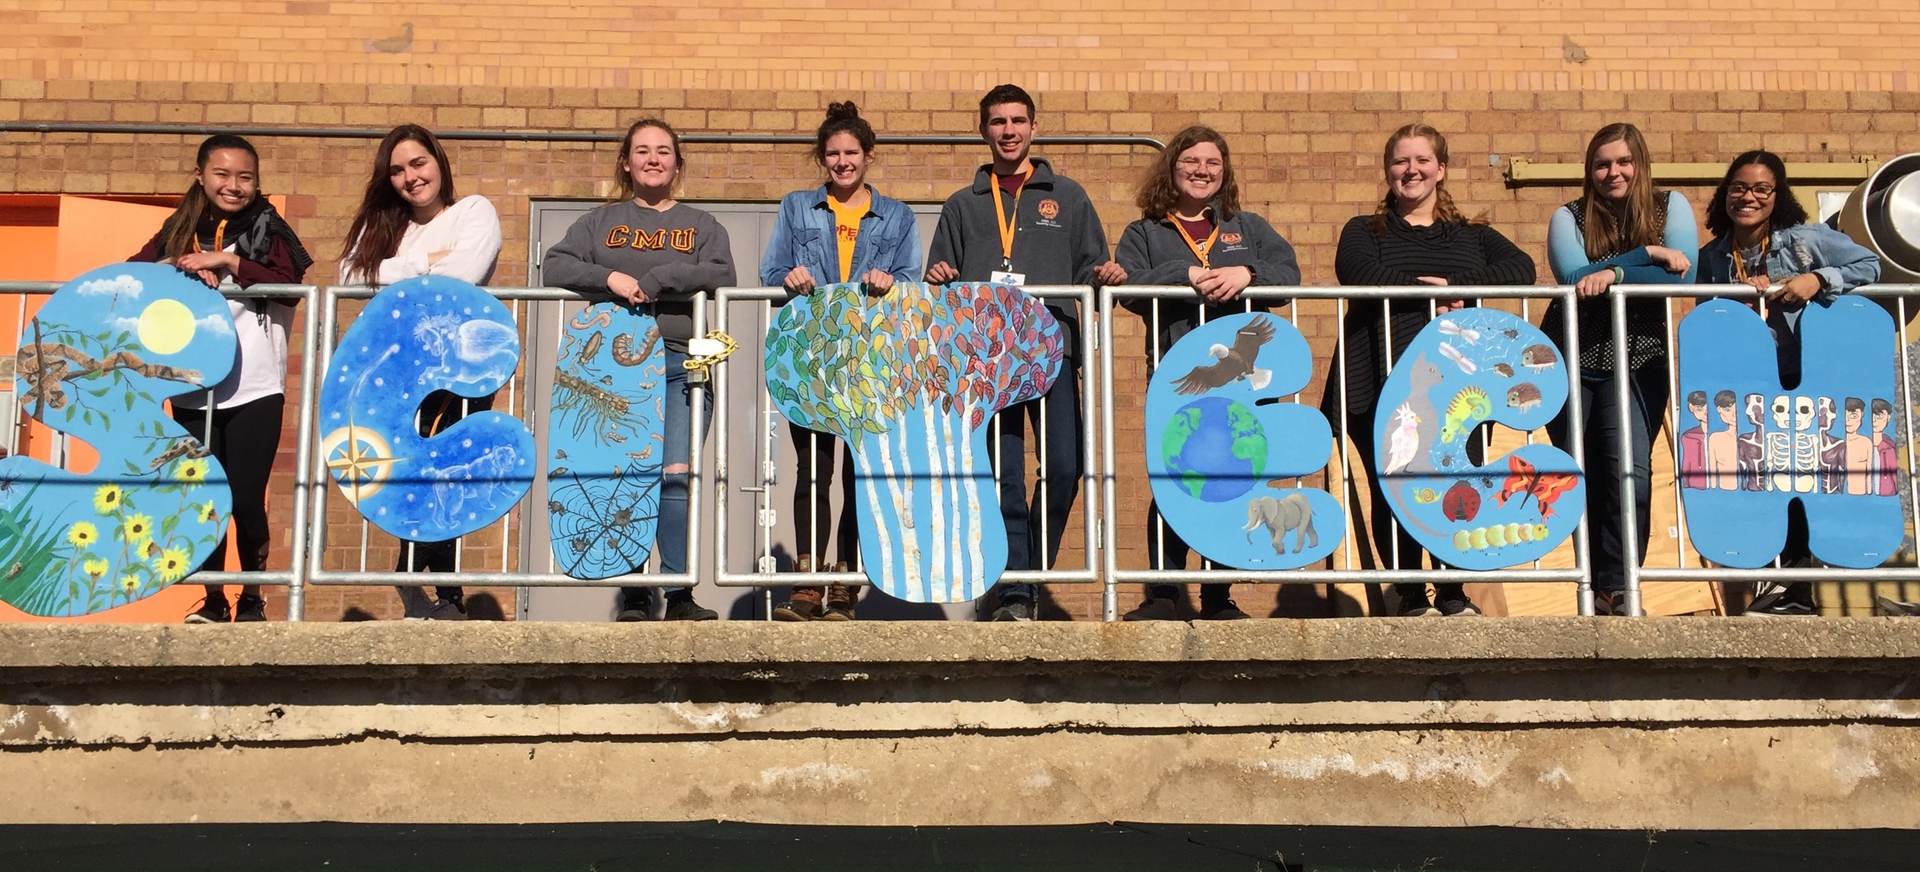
(469,231)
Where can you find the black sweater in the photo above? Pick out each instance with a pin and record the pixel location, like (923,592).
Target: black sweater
(1462,253)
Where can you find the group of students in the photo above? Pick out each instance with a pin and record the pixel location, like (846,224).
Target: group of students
(1019,221)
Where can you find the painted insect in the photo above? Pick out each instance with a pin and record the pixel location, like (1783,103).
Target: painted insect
(1468,407)
(1539,357)
(1460,360)
(1498,536)
(1523,396)
(1467,334)
(1461,503)
(1524,481)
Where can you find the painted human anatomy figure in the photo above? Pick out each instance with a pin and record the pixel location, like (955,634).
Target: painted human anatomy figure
(1806,446)
(1752,445)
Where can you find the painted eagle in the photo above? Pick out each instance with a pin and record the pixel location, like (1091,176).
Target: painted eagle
(1232,363)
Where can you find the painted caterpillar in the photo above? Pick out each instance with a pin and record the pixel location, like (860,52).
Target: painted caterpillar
(1498,536)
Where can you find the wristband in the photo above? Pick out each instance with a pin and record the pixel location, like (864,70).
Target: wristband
(1619,276)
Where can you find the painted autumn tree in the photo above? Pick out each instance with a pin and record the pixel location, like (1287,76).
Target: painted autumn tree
(910,380)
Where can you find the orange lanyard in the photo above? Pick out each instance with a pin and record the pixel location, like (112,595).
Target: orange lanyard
(1740,258)
(1200,249)
(219,237)
(1006,227)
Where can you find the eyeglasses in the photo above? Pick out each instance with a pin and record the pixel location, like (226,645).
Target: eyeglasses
(1193,163)
(1759,192)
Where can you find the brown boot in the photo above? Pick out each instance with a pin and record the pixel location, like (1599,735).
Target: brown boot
(840,599)
(805,605)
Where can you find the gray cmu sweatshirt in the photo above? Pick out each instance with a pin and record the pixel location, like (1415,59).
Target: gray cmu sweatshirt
(676,252)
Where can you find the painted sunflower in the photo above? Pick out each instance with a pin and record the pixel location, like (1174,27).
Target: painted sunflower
(192,470)
(207,511)
(137,528)
(172,565)
(107,499)
(94,567)
(83,534)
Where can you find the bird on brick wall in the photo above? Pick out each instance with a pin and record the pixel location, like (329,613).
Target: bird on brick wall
(392,44)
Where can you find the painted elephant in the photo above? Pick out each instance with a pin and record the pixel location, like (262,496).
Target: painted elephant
(1280,515)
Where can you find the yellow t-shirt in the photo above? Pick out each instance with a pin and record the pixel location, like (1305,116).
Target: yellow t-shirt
(846,221)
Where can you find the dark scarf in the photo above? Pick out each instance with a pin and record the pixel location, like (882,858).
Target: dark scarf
(251,232)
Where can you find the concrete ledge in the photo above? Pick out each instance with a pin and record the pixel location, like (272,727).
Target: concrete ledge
(1580,723)
(1335,641)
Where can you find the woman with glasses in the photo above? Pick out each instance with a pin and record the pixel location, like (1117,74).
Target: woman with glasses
(1621,230)
(1192,232)
(1761,238)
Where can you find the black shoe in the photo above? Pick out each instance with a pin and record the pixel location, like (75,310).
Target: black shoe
(1458,606)
(213,610)
(1886,606)
(1154,609)
(1223,610)
(1780,604)
(249,609)
(444,609)
(633,616)
(681,607)
(1416,607)
(1610,603)
(636,605)
(1013,610)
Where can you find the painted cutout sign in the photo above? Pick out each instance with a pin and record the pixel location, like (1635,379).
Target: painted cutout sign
(1749,447)
(910,380)
(1222,444)
(96,363)
(414,337)
(605,443)
(1465,368)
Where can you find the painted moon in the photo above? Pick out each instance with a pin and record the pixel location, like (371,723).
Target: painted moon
(166,326)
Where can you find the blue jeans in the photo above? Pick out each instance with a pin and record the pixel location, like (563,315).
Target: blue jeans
(1646,406)
(676,423)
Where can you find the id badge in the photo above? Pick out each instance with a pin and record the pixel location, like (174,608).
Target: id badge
(1002,277)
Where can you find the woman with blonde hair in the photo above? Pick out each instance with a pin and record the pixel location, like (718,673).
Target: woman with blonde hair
(1416,237)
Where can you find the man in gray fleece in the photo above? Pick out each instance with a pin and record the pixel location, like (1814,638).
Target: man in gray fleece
(1022,223)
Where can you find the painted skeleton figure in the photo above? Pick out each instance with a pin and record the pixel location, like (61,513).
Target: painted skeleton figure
(1779,442)
(1806,446)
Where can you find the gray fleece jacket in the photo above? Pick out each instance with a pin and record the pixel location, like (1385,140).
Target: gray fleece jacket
(1058,239)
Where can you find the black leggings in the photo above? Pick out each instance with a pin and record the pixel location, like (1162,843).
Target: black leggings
(812,518)
(440,410)
(244,439)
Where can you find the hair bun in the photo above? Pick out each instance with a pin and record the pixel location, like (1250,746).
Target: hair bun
(842,111)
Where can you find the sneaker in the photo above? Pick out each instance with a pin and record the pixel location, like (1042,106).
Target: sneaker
(633,616)
(804,606)
(1457,607)
(444,609)
(1224,610)
(681,607)
(1779,605)
(1887,606)
(840,600)
(1155,608)
(1013,610)
(1612,603)
(1417,607)
(213,610)
(249,609)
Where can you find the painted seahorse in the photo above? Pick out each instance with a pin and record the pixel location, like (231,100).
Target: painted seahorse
(1498,536)
(624,354)
(1467,408)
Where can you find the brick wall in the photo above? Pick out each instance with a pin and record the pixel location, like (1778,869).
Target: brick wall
(1306,98)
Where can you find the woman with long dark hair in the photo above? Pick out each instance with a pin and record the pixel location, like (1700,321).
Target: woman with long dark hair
(1761,237)
(1416,237)
(1621,230)
(411,223)
(1193,232)
(225,230)
(841,231)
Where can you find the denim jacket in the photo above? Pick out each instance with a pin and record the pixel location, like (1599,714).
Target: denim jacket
(1841,264)
(804,236)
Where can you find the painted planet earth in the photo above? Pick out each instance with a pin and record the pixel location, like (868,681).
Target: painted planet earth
(1215,448)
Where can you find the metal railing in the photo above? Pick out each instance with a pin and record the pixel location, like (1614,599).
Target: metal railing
(1636,572)
(506,576)
(1099,484)
(292,576)
(1341,296)
(765,571)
